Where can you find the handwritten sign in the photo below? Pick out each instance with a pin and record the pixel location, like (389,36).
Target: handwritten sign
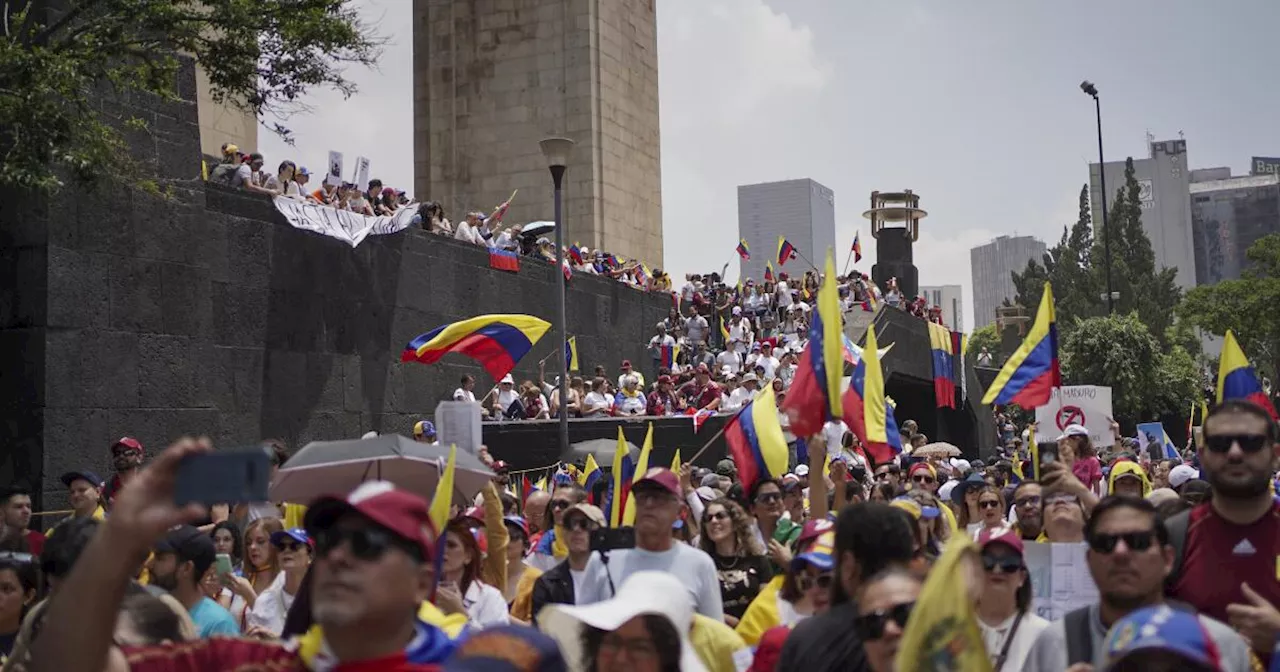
(1060,579)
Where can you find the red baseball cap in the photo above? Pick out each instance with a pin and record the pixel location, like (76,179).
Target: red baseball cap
(129,442)
(403,513)
(1001,535)
(626,363)
(663,478)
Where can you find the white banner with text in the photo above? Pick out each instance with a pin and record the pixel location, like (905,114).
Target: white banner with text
(1088,405)
(347,226)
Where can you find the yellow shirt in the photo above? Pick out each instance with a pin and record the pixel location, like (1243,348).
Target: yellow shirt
(718,647)
(522,606)
(98,514)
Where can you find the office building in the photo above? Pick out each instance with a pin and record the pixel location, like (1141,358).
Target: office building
(992,266)
(951,299)
(1163,182)
(491,79)
(801,210)
(1227,216)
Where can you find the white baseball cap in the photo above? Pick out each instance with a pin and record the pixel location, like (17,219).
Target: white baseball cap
(802,470)
(1181,474)
(1073,430)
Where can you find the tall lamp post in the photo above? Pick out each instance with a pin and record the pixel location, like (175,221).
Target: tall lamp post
(556,150)
(1088,87)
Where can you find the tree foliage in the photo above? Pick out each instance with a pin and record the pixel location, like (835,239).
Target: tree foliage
(1247,306)
(985,337)
(56,66)
(1122,353)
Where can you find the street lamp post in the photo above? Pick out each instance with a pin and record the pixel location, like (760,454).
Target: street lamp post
(1092,90)
(556,151)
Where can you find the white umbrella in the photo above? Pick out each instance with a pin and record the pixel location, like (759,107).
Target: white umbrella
(337,467)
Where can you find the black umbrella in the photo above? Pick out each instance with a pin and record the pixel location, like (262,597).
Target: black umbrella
(337,467)
(535,229)
(603,449)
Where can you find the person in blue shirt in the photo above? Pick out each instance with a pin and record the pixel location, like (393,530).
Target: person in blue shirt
(179,561)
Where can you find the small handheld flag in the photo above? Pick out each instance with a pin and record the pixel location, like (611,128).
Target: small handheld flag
(786,251)
(768,271)
(642,466)
(857,248)
(571,354)
(743,250)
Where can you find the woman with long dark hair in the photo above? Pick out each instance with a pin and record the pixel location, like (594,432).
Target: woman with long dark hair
(461,590)
(19,582)
(741,564)
(1009,625)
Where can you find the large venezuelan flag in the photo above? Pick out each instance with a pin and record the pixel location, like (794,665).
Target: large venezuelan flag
(814,397)
(755,440)
(866,410)
(641,468)
(1236,378)
(1030,375)
(944,388)
(497,342)
(623,471)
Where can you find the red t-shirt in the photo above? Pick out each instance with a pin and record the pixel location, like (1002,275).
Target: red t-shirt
(699,397)
(35,541)
(1220,555)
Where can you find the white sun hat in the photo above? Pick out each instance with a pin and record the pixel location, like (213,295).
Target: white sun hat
(643,593)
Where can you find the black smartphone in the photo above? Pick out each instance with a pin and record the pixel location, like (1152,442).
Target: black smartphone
(1048,453)
(613,538)
(225,476)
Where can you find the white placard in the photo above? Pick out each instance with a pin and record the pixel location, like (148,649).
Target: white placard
(349,227)
(1088,405)
(362,173)
(458,422)
(1060,579)
(334,176)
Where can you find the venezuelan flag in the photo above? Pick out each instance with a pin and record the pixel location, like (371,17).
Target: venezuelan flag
(867,411)
(675,461)
(590,475)
(571,354)
(440,504)
(814,397)
(942,632)
(642,466)
(857,248)
(497,342)
(623,472)
(1030,375)
(940,347)
(1236,378)
(724,331)
(768,271)
(786,251)
(667,355)
(743,250)
(755,440)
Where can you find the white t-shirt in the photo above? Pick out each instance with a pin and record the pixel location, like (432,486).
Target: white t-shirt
(271,607)
(694,568)
(994,639)
(769,363)
(695,329)
(784,295)
(485,605)
(467,233)
(243,176)
(578,576)
(739,398)
(596,404)
(505,399)
(463,395)
(729,359)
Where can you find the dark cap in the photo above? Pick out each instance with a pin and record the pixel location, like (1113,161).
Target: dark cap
(189,543)
(255,157)
(81,475)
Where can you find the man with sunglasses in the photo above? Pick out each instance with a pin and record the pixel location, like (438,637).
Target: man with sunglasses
(549,550)
(884,606)
(922,475)
(658,502)
(1227,550)
(888,474)
(1129,557)
(775,533)
(1026,510)
(373,570)
(559,585)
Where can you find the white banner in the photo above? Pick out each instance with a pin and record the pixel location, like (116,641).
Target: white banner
(1088,405)
(1060,579)
(347,226)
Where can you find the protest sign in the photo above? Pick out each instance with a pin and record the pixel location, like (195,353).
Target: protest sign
(1060,579)
(334,176)
(362,174)
(1153,439)
(459,424)
(347,226)
(1088,405)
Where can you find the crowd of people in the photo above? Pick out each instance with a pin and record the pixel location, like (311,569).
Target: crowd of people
(817,570)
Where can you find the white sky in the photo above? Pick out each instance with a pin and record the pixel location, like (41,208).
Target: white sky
(974,105)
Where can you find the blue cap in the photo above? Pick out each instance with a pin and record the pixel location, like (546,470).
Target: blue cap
(1161,628)
(506,648)
(423,428)
(81,474)
(297,534)
(303,171)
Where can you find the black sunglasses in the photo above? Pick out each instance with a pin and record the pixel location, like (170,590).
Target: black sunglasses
(1134,541)
(290,546)
(1221,443)
(768,497)
(580,523)
(718,515)
(871,626)
(1033,500)
(559,504)
(1006,563)
(804,582)
(989,504)
(920,478)
(368,544)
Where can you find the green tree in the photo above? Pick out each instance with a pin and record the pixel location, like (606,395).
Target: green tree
(986,337)
(57,66)
(1122,353)
(1152,292)
(1247,306)
(1068,266)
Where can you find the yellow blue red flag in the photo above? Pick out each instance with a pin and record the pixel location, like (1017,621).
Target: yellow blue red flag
(867,411)
(1029,376)
(755,439)
(497,342)
(1237,379)
(814,397)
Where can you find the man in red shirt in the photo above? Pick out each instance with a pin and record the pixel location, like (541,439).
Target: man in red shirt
(15,517)
(701,393)
(1230,567)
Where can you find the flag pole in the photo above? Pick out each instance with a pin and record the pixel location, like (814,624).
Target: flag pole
(806,260)
(847,257)
(707,445)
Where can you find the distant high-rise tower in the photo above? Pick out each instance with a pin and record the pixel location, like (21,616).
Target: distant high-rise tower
(895,223)
(491,79)
(950,298)
(801,210)
(992,266)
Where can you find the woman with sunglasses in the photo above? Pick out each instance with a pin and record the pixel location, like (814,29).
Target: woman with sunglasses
(802,591)
(266,618)
(460,589)
(1009,626)
(991,508)
(884,605)
(741,564)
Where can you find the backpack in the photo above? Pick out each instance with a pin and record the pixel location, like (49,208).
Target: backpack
(1079,636)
